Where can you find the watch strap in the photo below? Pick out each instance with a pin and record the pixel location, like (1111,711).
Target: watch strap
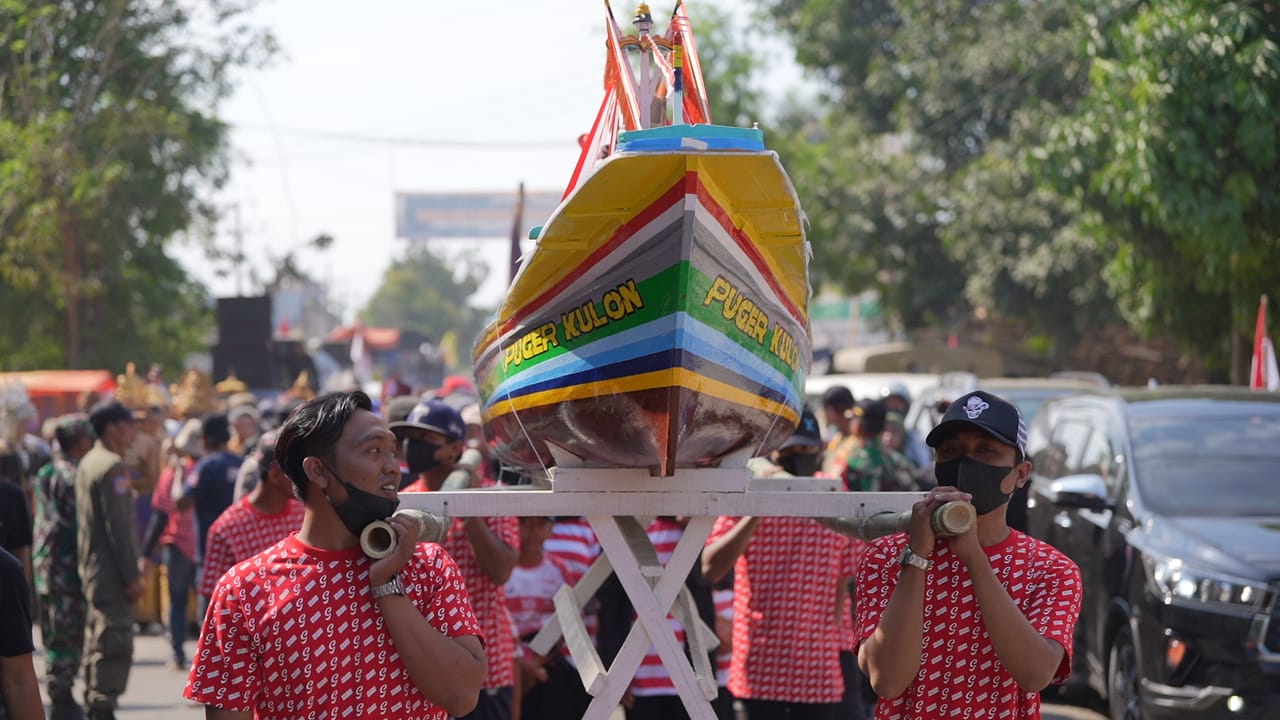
(391,587)
(910,558)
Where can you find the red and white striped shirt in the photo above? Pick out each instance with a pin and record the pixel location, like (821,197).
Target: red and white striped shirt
(652,678)
(574,543)
(241,532)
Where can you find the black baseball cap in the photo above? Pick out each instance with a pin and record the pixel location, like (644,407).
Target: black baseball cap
(992,414)
(807,431)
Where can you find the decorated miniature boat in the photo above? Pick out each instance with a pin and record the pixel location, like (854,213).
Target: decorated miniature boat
(662,319)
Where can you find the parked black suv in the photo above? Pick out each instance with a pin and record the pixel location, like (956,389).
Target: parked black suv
(1169,501)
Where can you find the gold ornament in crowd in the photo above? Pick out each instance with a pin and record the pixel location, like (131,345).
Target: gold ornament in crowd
(193,397)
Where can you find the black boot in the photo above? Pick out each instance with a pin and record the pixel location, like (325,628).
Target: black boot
(102,713)
(64,706)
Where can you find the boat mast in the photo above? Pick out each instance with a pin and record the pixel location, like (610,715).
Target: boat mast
(644,23)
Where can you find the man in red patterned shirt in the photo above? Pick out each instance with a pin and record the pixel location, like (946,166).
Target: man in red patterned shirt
(255,522)
(431,439)
(311,627)
(976,625)
(786,571)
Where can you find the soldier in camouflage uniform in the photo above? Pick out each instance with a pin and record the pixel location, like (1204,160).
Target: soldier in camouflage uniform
(872,466)
(57,577)
(107,550)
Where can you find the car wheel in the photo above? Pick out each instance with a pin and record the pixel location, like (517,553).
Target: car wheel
(1123,698)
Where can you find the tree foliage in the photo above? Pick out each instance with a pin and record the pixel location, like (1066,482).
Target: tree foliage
(108,150)
(1071,163)
(1174,156)
(425,293)
(915,172)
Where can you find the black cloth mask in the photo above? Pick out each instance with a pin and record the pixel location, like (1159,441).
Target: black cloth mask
(419,455)
(800,465)
(979,479)
(362,507)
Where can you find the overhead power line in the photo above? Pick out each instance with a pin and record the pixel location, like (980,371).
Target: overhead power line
(405,141)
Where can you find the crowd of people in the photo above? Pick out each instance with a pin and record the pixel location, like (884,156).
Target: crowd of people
(252,510)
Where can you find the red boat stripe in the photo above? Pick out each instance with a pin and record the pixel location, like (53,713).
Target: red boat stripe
(744,242)
(621,235)
(691,184)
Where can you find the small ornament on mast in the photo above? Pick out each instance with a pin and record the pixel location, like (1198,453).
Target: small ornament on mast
(677,64)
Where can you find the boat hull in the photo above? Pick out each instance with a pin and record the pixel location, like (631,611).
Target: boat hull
(661,321)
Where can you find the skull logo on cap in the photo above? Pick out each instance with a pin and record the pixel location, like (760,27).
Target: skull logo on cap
(975,406)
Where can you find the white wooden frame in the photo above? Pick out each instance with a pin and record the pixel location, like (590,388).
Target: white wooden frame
(614,501)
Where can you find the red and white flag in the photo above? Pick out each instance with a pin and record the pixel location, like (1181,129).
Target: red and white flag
(1263,373)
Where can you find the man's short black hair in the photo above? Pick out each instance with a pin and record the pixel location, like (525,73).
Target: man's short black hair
(313,429)
(838,397)
(215,429)
(105,413)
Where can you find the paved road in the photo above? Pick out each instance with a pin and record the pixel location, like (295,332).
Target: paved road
(155,690)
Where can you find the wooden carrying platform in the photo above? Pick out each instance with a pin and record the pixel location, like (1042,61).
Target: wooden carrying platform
(617,503)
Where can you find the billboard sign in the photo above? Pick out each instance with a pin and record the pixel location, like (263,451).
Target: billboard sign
(421,216)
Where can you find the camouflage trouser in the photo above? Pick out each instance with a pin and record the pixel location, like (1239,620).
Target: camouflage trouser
(62,617)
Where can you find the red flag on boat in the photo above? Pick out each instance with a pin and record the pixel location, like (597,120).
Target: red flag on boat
(618,74)
(1263,373)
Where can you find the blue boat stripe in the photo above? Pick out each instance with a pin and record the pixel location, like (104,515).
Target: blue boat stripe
(699,339)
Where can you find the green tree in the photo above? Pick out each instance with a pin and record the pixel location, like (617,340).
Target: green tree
(425,293)
(108,150)
(1174,156)
(916,169)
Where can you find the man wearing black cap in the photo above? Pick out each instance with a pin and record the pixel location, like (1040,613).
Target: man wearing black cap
(107,550)
(977,624)
(431,442)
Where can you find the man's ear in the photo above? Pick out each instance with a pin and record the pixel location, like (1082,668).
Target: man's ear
(316,471)
(1024,472)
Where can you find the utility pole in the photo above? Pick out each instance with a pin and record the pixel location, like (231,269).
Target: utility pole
(238,258)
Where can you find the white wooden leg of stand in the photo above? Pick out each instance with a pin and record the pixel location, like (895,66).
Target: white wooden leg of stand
(583,591)
(701,640)
(620,540)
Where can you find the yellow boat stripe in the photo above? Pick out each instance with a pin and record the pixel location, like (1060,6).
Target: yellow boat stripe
(655,380)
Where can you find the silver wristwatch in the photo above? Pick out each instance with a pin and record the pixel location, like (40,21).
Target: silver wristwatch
(391,587)
(914,560)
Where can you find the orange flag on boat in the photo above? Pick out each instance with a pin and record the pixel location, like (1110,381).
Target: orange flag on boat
(1263,373)
(696,109)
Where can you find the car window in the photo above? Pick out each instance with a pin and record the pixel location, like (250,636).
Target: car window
(1069,438)
(1098,457)
(1219,467)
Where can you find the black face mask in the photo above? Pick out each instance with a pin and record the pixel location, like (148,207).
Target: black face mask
(361,507)
(979,479)
(419,455)
(799,464)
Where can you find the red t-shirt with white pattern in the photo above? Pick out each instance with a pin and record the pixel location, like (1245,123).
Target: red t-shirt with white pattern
(487,598)
(960,674)
(786,643)
(241,532)
(295,632)
(724,609)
